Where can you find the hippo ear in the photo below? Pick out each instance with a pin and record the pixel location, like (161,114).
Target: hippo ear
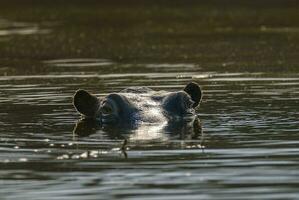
(86,103)
(195,93)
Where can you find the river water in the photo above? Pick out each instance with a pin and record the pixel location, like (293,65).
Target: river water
(244,56)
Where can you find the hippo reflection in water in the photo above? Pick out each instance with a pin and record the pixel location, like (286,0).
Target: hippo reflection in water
(140,108)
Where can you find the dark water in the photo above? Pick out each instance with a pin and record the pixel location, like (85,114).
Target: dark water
(244,55)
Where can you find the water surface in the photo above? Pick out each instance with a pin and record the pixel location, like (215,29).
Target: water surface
(244,55)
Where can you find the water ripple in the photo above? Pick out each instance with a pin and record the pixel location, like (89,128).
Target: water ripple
(79,62)
(19,28)
(249,142)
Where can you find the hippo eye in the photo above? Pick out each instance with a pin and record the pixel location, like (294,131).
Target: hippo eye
(106,109)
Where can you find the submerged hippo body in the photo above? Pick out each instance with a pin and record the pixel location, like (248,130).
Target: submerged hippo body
(136,105)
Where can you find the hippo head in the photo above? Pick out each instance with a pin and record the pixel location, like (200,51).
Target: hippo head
(138,104)
(113,108)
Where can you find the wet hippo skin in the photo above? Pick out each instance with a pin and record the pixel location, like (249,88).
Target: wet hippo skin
(134,106)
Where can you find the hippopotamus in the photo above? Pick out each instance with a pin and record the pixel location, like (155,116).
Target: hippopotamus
(134,106)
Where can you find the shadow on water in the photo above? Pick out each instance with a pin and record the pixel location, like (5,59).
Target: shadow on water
(143,131)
